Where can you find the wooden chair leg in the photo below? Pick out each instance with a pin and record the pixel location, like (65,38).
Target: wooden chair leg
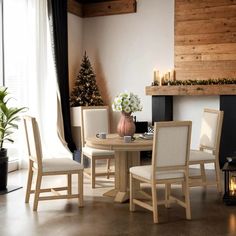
(203,174)
(218,177)
(37,191)
(167,195)
(131,186)
(93,162)
(108,168)
(29,182)
(82,158)
(69,184)
(81,189)
(187,200)
(183,187)
(154,203)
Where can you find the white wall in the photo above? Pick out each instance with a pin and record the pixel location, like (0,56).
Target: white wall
(124,50)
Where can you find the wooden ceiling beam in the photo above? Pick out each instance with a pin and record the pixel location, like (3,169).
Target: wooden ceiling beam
(109,8)
(75,8)
(102,8)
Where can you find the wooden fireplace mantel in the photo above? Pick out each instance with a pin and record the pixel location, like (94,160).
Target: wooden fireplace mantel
(191,90)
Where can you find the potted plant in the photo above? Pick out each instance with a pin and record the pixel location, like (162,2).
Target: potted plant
(8,122)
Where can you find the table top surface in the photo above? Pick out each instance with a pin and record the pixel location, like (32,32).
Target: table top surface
(115,142)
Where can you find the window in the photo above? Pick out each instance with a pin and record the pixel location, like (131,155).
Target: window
(12,60)
(28,71)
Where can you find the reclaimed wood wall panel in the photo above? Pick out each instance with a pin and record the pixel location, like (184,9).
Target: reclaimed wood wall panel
(216,38)
(205,39)
(201,75)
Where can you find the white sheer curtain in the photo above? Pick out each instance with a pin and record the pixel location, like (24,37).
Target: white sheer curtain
(38,86)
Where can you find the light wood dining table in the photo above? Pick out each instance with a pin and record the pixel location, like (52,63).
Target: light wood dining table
(126,155)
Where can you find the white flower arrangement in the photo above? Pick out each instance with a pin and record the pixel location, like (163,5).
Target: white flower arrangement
(127,102)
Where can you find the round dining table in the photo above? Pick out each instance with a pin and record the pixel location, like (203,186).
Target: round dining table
(126,156)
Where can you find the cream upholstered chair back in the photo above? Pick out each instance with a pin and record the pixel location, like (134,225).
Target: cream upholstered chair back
(33,140)
(211,129)
(171,144)
(94,120)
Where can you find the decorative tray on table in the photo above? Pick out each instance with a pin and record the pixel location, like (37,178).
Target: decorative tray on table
(146,135)
(231,160)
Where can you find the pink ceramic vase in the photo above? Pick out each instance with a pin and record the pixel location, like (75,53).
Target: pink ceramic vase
(126,126)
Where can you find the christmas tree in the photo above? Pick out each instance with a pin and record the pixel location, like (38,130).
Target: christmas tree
(85,91)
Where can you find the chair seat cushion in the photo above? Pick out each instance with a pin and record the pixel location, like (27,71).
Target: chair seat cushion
(60,164)
(96,152)
(197,155)
(146,172)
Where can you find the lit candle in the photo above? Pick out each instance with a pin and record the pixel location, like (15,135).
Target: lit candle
(160,79)
(169,71)
(233,185)
(155,76)
(166,76)
(172,74)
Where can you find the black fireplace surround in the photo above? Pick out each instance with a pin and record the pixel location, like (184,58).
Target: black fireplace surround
(162,110)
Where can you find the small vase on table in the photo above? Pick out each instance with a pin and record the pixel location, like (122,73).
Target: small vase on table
(126,103)
(126,126)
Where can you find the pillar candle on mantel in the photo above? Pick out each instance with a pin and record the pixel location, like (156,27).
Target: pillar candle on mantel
(172,74)
(169,71)
(160,79)
(156,75)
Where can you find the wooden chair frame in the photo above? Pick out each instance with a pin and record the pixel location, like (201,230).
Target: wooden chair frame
(201,180)
(35,166)
(135,179)
(92,173)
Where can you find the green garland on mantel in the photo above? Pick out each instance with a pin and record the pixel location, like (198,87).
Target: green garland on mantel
(196,82)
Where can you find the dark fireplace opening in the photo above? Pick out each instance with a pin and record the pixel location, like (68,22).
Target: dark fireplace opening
(162,110)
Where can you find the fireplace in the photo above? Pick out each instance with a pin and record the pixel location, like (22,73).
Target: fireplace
(162,109)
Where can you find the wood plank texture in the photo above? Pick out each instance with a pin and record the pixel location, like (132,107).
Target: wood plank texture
(204,74)
(191,90)
(205,39)
(216,25)
(205,13)
(74,7)
(109,8)
(101,8)
(213,38)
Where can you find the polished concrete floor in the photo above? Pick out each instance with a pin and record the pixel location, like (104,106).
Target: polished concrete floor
(101,216)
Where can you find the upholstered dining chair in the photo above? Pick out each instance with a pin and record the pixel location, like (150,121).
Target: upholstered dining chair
(170,156)
(95,119)
(48,167)
(211,126)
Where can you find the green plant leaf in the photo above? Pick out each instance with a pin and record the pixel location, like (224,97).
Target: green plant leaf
(8,116)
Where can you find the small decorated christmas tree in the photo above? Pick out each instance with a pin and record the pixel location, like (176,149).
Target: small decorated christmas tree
(85,91)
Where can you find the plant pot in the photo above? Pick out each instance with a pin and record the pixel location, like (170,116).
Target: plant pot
(126,126)
(3,169)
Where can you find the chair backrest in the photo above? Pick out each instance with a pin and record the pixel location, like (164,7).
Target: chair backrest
(211,127)
(33,140)
(171,145)
(94,119)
